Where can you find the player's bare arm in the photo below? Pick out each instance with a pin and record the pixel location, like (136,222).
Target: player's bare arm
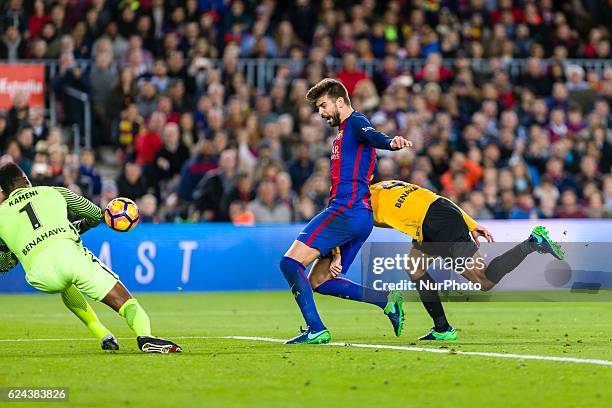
(481,231)
(335,268)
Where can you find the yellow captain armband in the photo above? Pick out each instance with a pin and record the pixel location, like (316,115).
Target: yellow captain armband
(336,251)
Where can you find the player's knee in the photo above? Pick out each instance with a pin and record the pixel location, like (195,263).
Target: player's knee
(302,253)
(314,282)
(416,274)
(317,278)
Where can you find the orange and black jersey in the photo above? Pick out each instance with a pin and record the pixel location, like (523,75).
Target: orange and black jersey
(403,206)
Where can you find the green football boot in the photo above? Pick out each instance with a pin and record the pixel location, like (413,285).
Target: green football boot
(309,337)
(395,311)
(544,245)
(449,334)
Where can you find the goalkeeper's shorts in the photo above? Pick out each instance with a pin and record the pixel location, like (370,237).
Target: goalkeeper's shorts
(65,263)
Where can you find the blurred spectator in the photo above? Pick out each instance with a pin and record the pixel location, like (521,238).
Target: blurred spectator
(36,122)
(202,161)
(12,46)
(210,195)
(388,73)
(131,183)
(147,99)
(569,206)
(243,190)
(147,207)
(302,167)
(38,18)
(41,172)
(286,195)
(38,49)
(266,207)
(25,138)
(349,74)
(257,44)
(70,79)
(102,77)
(13,153)
(18,114)
(468,171)
(109,192)
(90,180)
(128,129)
(173,153)
(148,141)
(3,128)
(524,207)
(123,93)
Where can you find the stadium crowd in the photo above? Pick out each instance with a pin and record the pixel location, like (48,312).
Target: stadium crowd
(195,141)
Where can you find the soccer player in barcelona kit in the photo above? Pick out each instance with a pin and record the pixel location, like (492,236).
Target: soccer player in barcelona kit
(348,221)
(440,228)
(35,230)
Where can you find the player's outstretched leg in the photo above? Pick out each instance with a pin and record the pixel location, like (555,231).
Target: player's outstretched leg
(137,319)
(391,302)
(538,241)
(322,282)
(77,304)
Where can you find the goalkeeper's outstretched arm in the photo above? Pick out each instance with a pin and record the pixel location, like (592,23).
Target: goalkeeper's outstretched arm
(81,206)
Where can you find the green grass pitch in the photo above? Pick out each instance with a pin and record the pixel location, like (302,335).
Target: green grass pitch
(214,372)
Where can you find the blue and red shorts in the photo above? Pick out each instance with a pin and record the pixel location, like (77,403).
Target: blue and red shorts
(339,227)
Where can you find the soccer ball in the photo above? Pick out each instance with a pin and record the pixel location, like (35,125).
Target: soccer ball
(121,214)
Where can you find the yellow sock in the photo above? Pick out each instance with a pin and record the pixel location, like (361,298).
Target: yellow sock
(76,302)
(136,317)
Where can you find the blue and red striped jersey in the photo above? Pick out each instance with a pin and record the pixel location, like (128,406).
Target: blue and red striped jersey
(353,161)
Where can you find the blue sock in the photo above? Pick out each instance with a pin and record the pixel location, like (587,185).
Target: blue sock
(348,289)
(302,291)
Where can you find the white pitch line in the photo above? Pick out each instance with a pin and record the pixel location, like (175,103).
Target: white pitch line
(445,351)
(366,346)
(43,340)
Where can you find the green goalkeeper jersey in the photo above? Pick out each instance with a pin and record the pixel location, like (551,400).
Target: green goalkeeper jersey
(32,218)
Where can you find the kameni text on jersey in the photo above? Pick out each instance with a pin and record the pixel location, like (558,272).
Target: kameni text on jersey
(23,196)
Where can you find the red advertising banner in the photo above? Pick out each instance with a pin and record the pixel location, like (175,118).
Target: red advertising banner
(26,78)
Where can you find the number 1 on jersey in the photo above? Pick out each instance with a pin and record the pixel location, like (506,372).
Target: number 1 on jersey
(28,209)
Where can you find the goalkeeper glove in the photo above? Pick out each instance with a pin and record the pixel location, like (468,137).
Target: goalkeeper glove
(8,262)
(82,226)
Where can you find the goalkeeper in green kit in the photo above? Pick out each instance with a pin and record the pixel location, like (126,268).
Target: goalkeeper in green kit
(35,230)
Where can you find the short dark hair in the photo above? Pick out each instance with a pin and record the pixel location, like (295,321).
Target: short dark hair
(10,173)
(328,87)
